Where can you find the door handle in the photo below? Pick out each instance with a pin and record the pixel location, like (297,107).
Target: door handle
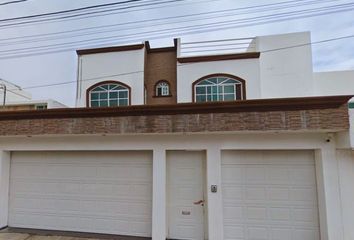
(200,202)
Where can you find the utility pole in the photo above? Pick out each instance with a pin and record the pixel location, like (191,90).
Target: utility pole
(3,87)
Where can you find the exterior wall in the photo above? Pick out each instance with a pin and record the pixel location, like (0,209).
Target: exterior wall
(123,66)
(286,72)
(284,69)
(4,186)
(160,66)
(333,83)
(54,104)
(351,123)
(247,69)
(332,120)
(334,224)
(345,160)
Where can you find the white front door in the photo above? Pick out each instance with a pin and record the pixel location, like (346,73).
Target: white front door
(185,195)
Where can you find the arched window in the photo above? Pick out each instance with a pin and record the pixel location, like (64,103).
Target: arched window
(162,89)
(221,87)
(108,94)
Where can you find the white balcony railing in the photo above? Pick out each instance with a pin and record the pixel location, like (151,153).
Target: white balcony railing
(217,47)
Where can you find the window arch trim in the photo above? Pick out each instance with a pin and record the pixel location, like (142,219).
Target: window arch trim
(104,83)
(242,81)
(169,88)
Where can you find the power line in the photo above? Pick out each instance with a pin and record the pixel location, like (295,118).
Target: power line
(66,11)
(5,43)
(185,64)
(12,2)
(86,79)
(255,9)
(217,26)
(85,14)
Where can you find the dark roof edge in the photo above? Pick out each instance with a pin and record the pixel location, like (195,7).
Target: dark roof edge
(210,58)
(257,105)
(110,49)
(158,50)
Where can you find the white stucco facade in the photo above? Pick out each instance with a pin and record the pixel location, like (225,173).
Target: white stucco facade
(333,83)
(285,65)
(190,72)
(126,67)
(334,170)
(284,69)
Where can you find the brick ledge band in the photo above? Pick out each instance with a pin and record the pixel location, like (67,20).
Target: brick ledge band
(257,105)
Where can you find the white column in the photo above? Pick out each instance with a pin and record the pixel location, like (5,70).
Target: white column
(159,195)
(214,201)
(4,187)
(329,199)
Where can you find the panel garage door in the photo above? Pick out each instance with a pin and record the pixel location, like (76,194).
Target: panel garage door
(269,195)
(102,192)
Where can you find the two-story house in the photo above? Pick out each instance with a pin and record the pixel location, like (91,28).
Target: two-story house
(193,141)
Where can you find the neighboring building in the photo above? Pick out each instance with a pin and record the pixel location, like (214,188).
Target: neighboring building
(265,154)
(14,98)
(10,93)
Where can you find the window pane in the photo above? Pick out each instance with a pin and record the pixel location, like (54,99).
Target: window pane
(113,95)
(165,91)
(123,102)
(123,94)
(221,79)
(204,82)
(104,86)
(213,80)
(103,103)
(113,103)
(214,89)
(97,89)
(208,89)
(200,90)
(200,98)
(94,96)
(208,98)
(159,91)
(220,89)
(229,89)
(214,97)
(229,97)
(94,104)
(103,96)
(112,86)
(231,81)
(119,87)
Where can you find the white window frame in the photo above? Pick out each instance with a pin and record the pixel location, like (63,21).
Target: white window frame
(108,91)
(217,85)
(165,89)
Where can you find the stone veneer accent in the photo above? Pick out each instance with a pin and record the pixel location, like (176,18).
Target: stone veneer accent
(160,66)
(331,119)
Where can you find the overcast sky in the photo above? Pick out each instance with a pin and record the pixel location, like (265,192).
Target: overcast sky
(59,67)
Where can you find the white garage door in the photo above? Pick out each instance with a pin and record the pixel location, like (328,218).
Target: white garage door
(269,195)
(102,192)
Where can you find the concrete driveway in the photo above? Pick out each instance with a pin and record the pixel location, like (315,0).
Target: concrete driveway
(21,236)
